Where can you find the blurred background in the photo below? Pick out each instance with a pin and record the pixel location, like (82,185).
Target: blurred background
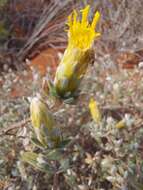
(33,29)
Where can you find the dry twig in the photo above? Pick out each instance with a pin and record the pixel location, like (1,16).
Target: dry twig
(7,130)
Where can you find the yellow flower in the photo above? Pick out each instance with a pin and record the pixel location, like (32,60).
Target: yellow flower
(82,33)
(43,123)
(94,110)
(79,53)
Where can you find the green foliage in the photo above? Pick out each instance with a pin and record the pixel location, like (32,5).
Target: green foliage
(47,160)
(38,161)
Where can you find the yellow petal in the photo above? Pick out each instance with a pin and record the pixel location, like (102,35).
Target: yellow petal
(85,15)
(74,17)
(95,19)
(70,21)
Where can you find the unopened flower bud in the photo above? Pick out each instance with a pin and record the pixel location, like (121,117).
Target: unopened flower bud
(43,122)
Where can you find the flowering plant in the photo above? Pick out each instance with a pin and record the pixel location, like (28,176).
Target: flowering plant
(78,54)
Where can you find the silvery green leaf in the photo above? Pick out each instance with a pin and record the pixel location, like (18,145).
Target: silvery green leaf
(64,143)
(71,180)
(37,143)
(55,154)
(69,100)
(64,164)
(64,83)
(32,159)
(52,89)
(67,94)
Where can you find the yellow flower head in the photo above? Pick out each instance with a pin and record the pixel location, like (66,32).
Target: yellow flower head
(94,110)
(78,54)
(81,33)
